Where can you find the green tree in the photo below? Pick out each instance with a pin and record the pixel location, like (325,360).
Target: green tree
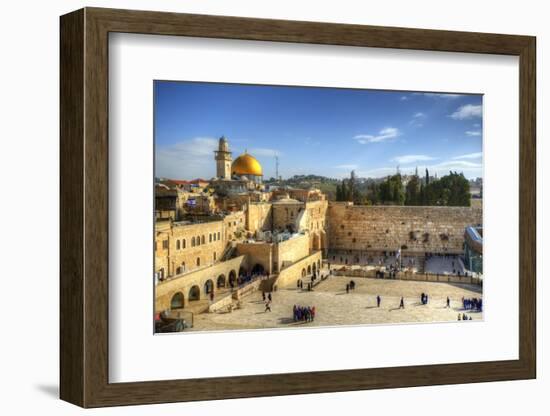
(412,191)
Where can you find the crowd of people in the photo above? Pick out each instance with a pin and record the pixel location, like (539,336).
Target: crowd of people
(303,313)
(472,304)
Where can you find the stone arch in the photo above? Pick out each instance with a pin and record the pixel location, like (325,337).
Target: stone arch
(177,301)
(258,269)
(220,282)
(232,278)
(304,272)
(309,269)
(208,286)
(314,268)
(194,293)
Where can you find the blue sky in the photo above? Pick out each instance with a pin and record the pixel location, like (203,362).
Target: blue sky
(323,131)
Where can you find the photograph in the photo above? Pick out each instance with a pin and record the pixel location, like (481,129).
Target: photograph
(293,207)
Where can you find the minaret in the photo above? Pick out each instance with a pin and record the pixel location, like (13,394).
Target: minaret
(223,159)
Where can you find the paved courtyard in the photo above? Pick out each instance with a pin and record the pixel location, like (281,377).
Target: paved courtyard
(336,307)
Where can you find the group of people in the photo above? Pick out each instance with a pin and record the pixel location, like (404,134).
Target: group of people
(472,304)
(350,286)
(303,313)
(464,317)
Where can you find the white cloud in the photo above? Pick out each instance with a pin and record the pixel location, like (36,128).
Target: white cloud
(411,159)
(347,167)
(473,133)
(311,142)
(385,134)
(469,156)
(404,98)
(418,115)
(262,151)
(187,159)
(466,112)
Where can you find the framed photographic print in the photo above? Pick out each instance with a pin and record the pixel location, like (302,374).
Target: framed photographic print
(256,207)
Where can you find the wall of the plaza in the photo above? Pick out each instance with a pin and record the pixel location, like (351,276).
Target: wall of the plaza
(291,250)
(414,229)
(290,275)
(164,291)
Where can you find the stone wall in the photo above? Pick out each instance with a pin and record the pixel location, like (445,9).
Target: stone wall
(291,250)
(258,217)
(164,291)
(289,275)
(388,228)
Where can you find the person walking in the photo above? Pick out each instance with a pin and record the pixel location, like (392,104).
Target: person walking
(448,302)
(402,303)
(378,300)
(347,288)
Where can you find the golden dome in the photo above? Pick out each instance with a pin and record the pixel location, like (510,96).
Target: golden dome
(246,165)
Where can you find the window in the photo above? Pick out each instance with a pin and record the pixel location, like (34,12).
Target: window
(198,240)
(202,239)
(183,243)
(193,242)
(165,244)
(178,246)
(219,235)
(198,261)
(209,238)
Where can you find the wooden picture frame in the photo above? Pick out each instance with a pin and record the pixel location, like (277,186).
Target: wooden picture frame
(84,207)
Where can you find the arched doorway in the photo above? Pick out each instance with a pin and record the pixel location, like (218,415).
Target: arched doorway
(221,281)
(208,286)
(303,272)
(309,269)
(194,293)
(258,269)
(232,278)
(177,301)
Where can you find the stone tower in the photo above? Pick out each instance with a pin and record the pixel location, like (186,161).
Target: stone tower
(223,159)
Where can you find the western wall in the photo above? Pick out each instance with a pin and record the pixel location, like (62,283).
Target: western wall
(416,230)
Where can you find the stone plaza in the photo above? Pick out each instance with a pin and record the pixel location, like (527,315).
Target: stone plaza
(358,307)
